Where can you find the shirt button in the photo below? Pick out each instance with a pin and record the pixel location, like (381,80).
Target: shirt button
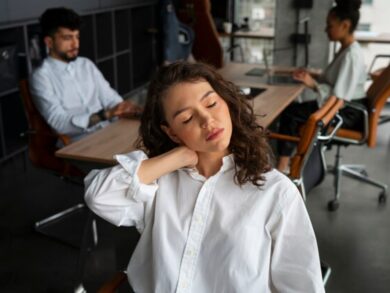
(199,219)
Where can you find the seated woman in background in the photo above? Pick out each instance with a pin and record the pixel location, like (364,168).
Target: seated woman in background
(344,77)
(213,214)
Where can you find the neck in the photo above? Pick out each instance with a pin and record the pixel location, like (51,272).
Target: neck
(209,163)
(347,41)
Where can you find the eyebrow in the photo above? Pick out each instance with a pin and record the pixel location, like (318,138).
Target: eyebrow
(186,108)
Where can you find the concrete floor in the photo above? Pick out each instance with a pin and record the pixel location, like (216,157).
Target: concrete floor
(354,240)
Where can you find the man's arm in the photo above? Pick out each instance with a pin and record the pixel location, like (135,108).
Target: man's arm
(113,104)
(48,103)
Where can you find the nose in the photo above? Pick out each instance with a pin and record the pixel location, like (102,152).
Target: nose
(75,43)
(205,118)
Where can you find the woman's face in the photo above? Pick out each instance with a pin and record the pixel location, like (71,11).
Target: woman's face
(337,29)
(197,117)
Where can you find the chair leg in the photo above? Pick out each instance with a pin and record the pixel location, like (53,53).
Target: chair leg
(326,271)
(58,215)
(355,172)
(334,204)
(64,226)
(350,171)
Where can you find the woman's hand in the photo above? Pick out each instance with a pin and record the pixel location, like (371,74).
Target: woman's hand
(188,156)
(166,163)
(305,77)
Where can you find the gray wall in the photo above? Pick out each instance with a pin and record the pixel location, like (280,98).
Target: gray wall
(16,10)
(285,25)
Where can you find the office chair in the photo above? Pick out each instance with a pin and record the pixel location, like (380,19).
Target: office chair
(308,167)
(41,148)
(377,95)
(374,74)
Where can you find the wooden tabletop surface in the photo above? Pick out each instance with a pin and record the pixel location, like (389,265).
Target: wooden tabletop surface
(119,137)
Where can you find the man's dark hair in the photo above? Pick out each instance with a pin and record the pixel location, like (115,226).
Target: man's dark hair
(54,18)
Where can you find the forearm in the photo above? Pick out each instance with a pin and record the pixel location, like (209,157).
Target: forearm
(168,162)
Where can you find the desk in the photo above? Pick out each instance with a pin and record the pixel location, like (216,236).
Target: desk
(119,137)
(370,37)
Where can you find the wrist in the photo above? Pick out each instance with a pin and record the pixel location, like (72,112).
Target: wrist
(102,115)
(186,157)
(315,85)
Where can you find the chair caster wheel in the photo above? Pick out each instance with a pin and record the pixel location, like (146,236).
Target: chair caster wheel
(333,205)
(382,197)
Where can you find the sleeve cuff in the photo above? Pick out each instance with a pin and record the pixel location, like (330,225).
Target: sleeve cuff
(131,162)
(81,121)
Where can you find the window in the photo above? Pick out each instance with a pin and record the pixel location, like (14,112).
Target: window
(367,2)
(365,27)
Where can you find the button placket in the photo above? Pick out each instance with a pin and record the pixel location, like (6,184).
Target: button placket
(195,236)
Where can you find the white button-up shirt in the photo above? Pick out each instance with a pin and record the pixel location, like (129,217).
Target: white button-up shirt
(209,235)
(67,94)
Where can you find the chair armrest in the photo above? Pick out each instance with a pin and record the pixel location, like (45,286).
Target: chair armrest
(64,139)
(326,138)
(283,137)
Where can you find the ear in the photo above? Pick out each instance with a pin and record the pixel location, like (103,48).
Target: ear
(48,42)
(346,24)
(168,131)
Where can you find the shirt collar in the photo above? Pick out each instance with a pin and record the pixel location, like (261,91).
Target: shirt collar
(59,65)
(227,164)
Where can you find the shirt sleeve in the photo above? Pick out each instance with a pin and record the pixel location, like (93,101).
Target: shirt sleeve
(107,95)
(295,265)
(48,103)
(346,82)
(117,195)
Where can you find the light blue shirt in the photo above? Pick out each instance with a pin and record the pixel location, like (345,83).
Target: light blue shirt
(67,94)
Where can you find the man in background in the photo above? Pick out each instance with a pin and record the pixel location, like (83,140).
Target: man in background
(69,91)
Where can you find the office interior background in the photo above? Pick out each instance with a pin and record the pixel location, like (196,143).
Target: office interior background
(123,38)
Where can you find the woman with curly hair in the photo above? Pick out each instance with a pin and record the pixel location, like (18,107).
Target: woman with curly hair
(214,216)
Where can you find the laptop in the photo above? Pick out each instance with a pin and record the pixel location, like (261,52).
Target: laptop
(278,78)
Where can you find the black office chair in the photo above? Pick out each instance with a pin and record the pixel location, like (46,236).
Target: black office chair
(308,167)
(42,141)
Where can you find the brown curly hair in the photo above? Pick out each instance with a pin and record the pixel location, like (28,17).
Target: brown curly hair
(252,154)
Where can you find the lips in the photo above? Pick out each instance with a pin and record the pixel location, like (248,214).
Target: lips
(214,134)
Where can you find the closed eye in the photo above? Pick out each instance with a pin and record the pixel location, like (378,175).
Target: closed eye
(188,120)
(212,105)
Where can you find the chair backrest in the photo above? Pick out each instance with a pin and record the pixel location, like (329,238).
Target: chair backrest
(207,46)
(377,95)
(310,130)
(42,139)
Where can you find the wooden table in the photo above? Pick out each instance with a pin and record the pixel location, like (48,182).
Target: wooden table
(119,137)
(371,37)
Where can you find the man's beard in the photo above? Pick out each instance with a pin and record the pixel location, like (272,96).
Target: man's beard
(66,58)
